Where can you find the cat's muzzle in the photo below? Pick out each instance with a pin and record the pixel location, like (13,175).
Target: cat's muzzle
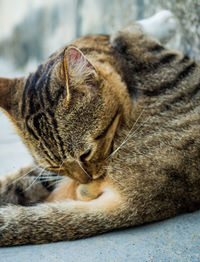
(83,174)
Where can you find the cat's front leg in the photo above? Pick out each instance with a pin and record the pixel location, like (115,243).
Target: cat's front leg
(27,186)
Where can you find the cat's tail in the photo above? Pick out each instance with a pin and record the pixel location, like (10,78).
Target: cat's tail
(50,222)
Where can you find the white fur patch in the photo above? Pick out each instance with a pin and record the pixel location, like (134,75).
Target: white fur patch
(162,25)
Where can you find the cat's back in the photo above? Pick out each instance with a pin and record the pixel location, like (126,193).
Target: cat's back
(156,157)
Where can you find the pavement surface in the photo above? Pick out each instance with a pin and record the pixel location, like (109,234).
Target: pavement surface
(173,240)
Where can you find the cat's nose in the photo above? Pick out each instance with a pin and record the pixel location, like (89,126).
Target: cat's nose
(76,171)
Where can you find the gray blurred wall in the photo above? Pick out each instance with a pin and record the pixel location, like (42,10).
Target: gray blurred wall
(46,28)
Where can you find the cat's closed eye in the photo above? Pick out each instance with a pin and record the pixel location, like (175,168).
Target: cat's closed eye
(84,156)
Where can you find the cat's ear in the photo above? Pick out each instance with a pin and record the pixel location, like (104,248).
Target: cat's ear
(78,68)
(7,87)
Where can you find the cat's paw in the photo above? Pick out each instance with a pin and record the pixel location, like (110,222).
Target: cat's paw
(162,25)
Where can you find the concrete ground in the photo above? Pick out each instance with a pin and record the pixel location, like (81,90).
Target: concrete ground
(173,240)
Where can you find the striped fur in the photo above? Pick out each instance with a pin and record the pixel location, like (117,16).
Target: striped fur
(127,130)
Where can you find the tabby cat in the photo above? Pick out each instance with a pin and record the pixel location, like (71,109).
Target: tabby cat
(113,124)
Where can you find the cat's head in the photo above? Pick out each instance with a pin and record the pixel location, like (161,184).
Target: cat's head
(67,113)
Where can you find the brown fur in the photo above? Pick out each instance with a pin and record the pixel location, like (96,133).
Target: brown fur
(126,132)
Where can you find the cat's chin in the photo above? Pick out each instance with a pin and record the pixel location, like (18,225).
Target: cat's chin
(99,175)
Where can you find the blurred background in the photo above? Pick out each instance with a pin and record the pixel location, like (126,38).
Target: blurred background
(30,30)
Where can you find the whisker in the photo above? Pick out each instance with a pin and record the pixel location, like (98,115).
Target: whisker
(35,179)
(47,180)
(130,134)
(55,182)
(60,167)
(118,182)
(83,168)
(21,177)
(58,174)
(51,177)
